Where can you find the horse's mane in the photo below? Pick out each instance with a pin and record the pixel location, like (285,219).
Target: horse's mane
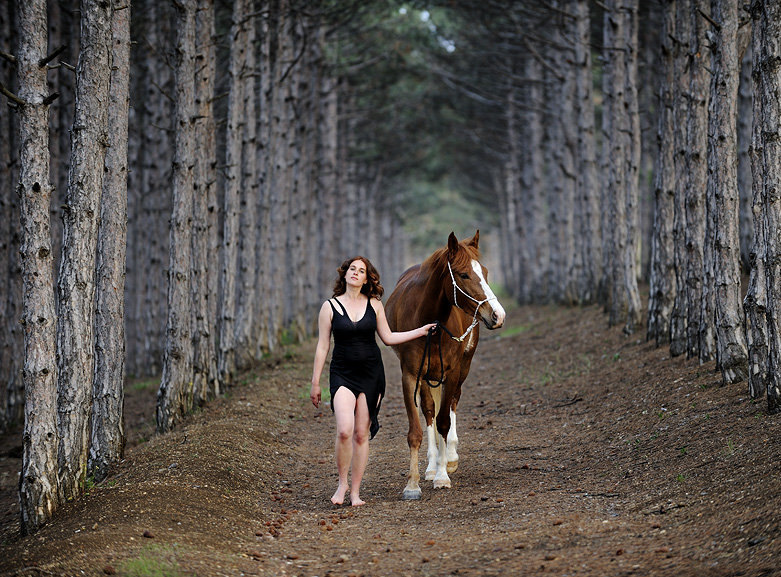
(462,260)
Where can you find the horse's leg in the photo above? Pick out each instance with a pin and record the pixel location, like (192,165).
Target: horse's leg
(429,402)
(414,438)
(441,478)
(452,444)
(452,435)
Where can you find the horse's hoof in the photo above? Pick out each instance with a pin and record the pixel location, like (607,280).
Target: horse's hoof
(431,474)
(442,483)
(411,494)
(452,466)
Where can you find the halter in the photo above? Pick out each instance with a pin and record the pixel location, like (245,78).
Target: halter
(470,297)
(433,331)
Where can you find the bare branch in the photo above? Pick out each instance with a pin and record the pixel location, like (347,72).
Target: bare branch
(10,95)
(6,56)
(44,61)
(713,23)
(51,98)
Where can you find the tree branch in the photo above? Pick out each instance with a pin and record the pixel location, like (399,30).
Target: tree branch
(10,95)
(44,61)
(51,98)
(715,24)
(6,56)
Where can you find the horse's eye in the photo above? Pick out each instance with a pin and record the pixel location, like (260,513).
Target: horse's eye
(464,275)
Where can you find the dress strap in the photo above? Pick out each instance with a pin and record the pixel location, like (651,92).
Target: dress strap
(341,306)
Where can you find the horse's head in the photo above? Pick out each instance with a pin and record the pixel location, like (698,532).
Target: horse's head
(470,291)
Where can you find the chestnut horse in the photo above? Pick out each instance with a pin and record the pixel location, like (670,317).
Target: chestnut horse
(449,287)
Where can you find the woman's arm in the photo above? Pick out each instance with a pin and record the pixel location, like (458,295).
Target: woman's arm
(323,345)
(388,336)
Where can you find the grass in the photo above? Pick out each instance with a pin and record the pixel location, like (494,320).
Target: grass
(512,331)
(152,561)
(145,385)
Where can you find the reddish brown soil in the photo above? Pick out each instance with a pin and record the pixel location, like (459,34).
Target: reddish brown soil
(583,452)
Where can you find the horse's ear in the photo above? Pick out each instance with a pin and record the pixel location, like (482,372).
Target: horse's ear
(452,244)
(473,241)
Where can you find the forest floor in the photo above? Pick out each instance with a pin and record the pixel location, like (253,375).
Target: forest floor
(583,452)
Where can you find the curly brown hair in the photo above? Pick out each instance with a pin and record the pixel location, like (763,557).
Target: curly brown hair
(372,288)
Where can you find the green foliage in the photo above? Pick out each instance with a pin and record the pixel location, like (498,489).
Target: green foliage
(399,61)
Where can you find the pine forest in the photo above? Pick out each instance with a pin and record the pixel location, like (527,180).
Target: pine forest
(179,181)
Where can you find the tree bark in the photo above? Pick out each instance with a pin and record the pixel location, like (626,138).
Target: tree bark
(108,435)
(723,190)
(563,142)
(8,227)
(767,150)
(662,282)
(76,281)
(633,151)
(205,210)
(699,261)
(38,480)
(231,217)
(681,75)
(534,214)
(745,104)
(249,189)
(621,151)
(587,196)
(175,397)
(755,304)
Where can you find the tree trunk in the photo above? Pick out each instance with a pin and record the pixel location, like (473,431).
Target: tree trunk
(38,481)
(662,281)
(175,397)
(108,435)
(621,151)
(632,175)
(155,179)
(680,97)
(745,103)
(205,242)
(755,303)
(563,141)
(587,196)
(699,263)
(262,251)
(249,183)
(231,207)
(511,226)
(767,150)
(535,215)
(723,189)
(8,227)
(76,282)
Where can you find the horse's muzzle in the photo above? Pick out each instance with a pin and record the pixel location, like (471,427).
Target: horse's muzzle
(495,320)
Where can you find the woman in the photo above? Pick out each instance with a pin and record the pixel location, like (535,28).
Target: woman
(357,377)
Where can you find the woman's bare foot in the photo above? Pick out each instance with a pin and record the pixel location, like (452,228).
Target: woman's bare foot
(338,498)
(356,501)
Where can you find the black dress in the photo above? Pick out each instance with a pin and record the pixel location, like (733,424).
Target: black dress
(356,363)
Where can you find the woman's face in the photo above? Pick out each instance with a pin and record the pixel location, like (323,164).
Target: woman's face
(356,274)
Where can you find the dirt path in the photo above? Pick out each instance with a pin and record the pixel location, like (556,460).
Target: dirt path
(583,452)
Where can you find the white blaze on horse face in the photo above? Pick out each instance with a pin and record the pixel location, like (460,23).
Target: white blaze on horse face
(489,294)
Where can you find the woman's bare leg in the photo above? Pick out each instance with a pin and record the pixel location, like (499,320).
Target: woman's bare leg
(344,409)
(360,448)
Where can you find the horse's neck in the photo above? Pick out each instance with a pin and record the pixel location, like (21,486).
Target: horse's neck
(434,290)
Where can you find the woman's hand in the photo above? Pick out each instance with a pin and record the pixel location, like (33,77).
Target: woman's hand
(314,394)
(426,328)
